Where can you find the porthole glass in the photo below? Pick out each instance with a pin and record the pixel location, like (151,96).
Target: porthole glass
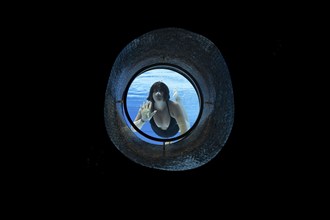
(162,105)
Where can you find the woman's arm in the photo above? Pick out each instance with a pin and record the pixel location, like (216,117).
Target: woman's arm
(138,121)
(182,124)
(178,114)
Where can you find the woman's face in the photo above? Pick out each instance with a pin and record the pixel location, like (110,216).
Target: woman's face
(158,96)
(159,92)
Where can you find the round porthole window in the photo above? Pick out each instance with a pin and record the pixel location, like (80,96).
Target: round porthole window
(169,100)
(169,97)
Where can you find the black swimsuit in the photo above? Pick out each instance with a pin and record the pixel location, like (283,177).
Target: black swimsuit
(172,129)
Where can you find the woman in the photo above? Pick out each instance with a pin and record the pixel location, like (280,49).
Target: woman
(166,117)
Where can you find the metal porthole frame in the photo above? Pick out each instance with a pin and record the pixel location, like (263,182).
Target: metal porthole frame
(194,54)
(187,76)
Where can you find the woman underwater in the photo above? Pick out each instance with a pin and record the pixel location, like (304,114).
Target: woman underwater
(166,117)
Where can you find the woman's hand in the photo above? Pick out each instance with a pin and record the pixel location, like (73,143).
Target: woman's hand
(145,110)
(176,95)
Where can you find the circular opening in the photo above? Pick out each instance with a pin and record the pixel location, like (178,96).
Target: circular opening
(168,100)
(191,57)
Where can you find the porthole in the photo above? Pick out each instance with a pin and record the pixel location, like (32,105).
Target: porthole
(180,102)
(159,55)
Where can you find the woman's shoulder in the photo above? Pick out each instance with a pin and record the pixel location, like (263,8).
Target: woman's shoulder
(174,107)
(172,103)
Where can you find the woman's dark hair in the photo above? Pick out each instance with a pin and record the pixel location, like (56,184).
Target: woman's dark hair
(161,87)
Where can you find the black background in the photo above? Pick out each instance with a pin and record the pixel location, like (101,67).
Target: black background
(256,53)
(57,59)
(60,156)
(75,49)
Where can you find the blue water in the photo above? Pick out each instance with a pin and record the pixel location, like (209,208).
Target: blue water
(139,91)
